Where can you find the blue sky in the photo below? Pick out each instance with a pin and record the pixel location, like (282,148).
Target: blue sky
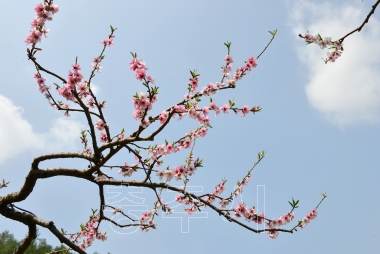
(319,123)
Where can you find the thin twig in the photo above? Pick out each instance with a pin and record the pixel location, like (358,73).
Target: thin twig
(364,22)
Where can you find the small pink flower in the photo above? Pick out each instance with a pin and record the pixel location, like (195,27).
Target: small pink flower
(252,62)
(120,136)
(160,174)
(225,108)
(103,137)
(163,117)
(224,203)
(100,124)
(245,110)
(273,234)
(90,102)
(87,150)
(228,59)
(150,79)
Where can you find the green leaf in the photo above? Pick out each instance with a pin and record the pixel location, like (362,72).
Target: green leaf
(113,29)
(273,33)
(227,44)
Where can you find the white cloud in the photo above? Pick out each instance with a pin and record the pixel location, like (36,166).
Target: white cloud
(347,91)
(17,135)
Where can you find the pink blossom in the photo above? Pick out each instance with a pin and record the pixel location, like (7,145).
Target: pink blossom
(126,170)
(228,59)
(219,189)
(169,149)
(309,38)
(163,117)
(100,124)
(107,42)
(120,136)
(96,60)
(225,108)
(39,8)
(150,79)
(186,143)
(252,60)
(224,203)
(213,106)
(240,209)
(187,97)
(90,102)
(160,174)
(103,137)
(273,234)
(210,199)
(66,93)
(245,110)
(140,74)
(54,8)
(169,175)
(76,67)
(87,150)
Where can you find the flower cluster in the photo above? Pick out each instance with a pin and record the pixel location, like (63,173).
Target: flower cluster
(74,81)
(96,64)
(248,213)
(179,171)
(143,103)
(219,188)
(287,218)
(336,46)
(44,12)
(89,232)
(310,216)
(42,87)
(127,170)
(240,72)
(193,85)
(138,66)
(239,187)
(108,42)
(147,217)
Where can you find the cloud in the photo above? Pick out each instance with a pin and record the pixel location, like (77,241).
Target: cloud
(347,91)
(17,135)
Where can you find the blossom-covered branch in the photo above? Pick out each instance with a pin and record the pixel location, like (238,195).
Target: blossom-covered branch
(101,144)
(335,46)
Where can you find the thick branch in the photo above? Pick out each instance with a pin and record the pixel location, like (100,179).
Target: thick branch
(32,219)
(45,157)
(32,234)
(31,179)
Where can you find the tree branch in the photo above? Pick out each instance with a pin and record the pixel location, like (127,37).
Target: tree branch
(32,219)
(364,22)
(32,234)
